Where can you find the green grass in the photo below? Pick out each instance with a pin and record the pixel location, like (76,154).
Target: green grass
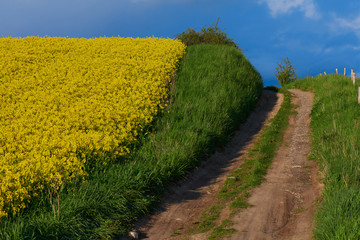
(250,174)
(215,89)
(223,230)
(208,218)
(335,145)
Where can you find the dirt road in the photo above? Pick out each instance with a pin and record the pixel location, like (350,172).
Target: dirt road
(282,205)
(186,201)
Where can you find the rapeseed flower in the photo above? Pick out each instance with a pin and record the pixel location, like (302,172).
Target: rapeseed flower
(61,98)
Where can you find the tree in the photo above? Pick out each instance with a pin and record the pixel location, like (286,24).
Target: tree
(285,72)
(207,35)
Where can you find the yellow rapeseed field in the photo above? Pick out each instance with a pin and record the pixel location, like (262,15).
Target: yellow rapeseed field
(61,98)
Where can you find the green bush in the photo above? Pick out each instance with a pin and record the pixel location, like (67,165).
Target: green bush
(207,35)
(285,72)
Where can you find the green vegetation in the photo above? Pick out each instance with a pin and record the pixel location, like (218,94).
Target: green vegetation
(285,72)
(250,173)
(208,218)
(223,230)
(215,89)
(336,146)
(207,35)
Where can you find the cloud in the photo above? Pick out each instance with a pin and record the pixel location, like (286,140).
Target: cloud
(278,7)
(343,26)
(352,24)
(341,49)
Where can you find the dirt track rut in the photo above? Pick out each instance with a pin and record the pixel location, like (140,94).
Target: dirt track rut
(282,206)
(186,200)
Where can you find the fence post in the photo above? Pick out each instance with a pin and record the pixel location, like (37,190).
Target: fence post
(336,71)
(344,71)
(353,77)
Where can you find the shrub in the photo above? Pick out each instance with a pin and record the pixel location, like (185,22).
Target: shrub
(285,72)
(207,35)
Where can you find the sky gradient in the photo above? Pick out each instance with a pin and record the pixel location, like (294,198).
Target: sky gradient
(316,35)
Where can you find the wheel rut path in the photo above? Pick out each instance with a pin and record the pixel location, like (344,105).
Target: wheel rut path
(282,206)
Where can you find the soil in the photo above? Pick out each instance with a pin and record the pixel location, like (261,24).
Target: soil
(282,206)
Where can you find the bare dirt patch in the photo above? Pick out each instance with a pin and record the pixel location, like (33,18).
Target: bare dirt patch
(283,205)
(186,201)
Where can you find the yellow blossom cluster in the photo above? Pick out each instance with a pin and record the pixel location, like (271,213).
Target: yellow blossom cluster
(61,97)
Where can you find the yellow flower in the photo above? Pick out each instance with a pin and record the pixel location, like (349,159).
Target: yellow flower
(61,97)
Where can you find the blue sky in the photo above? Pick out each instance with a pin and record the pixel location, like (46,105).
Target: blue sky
(316,35)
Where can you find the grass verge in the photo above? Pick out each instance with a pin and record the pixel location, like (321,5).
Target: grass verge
(250,174)
(215,89)
(336,146)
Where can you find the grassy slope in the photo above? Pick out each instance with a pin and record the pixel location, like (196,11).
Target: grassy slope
(215,89)
(335,145)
